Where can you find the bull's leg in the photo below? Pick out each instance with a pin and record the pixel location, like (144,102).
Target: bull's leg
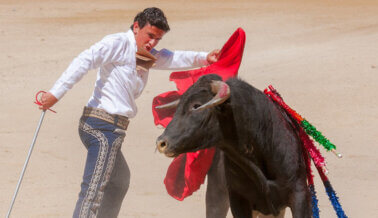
(268,187)
(300,203)
(260,215)
(250,169)
(217,202)
(240,207)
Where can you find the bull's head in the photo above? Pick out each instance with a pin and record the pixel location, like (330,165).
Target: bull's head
(195,124)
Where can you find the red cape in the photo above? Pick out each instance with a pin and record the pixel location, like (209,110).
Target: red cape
(188,171)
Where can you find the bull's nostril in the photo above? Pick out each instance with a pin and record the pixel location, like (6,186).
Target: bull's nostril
(162,144)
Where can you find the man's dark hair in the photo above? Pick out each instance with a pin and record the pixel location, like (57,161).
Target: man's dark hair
(153,16)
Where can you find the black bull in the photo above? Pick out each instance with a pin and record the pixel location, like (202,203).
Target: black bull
(263,163)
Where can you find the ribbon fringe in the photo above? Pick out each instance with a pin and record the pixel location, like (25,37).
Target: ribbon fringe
(310,152)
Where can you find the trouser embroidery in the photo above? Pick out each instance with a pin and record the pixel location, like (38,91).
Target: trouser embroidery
(103,168)
(108,171)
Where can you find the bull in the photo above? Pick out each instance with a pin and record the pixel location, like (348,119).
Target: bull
(263,164)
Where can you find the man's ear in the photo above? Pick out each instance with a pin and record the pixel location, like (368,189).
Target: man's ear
(136,27)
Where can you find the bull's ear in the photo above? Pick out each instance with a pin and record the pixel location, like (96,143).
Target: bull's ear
(169,105)
(222,93)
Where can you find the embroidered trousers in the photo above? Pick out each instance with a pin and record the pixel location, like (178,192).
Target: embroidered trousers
(106,174)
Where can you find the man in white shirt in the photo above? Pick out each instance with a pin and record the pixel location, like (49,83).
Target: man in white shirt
(123,60)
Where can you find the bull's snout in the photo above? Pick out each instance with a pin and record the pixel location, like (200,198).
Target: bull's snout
(161,144)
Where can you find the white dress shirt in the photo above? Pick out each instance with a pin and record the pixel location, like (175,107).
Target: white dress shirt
(118,82)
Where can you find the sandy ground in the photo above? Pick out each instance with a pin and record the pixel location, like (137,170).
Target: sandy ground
(321,56)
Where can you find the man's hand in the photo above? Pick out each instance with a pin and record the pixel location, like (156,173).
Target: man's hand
(213,56)
(47,100)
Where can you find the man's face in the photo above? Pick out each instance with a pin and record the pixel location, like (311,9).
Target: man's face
(148,36)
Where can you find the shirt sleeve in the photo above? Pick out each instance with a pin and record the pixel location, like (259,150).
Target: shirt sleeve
(106,51)
(178,60)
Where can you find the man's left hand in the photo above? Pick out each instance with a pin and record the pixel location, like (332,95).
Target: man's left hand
(213,56)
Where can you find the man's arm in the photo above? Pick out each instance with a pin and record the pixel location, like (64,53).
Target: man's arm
(107,50)
(183,59)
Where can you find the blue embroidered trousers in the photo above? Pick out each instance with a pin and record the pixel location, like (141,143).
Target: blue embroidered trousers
(106,174)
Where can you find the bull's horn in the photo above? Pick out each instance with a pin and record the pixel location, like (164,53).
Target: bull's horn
(169,105)
(221,91)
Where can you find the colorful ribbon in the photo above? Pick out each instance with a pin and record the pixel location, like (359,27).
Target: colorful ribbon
(307,126)
(310,151)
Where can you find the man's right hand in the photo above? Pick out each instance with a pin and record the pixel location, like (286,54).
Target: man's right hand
(47,100)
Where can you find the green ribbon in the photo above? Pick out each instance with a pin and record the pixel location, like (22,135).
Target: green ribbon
(317,136)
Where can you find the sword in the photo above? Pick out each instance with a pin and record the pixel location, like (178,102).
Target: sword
(29,154)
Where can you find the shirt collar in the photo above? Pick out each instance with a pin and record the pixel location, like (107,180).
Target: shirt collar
(131,36)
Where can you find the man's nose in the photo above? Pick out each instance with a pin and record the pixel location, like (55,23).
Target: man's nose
(153,42)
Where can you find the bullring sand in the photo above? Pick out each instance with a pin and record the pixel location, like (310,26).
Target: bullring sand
(322,56)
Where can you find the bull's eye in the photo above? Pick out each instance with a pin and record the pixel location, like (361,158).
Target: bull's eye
(195,106)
